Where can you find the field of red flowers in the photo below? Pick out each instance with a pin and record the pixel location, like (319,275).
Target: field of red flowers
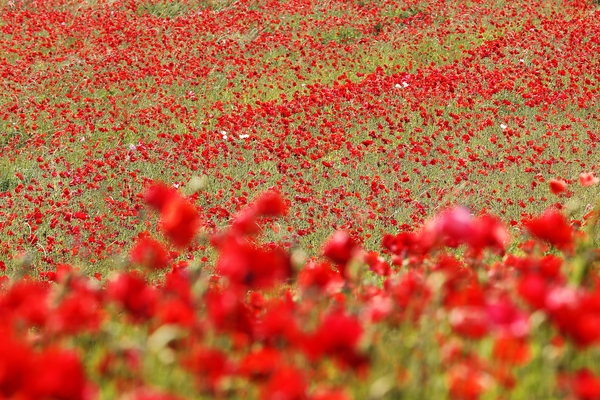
(299,199)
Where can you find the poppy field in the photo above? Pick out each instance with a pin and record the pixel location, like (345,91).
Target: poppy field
(299,199)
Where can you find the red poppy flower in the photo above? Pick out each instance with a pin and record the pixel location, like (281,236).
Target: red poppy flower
(79,310)
(132,293)
(377,264)
(286,384)
(180,221)
(26,301)
(586,385)
(533,288)
(340,248)
(177,312)
(338,337)
(158,194)
(247,265)
(465,382)
(455,226)
(271,204)
(488,232)
(552,227)
(48,376)
(179,218)
(511,350)
(259,365)
(470,321)
(209,366)
(278,324)
(228,313)
(557,186)
(16,362)
(150,254)
(319,276)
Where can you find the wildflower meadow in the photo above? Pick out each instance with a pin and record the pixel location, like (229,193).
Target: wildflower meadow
(299,199)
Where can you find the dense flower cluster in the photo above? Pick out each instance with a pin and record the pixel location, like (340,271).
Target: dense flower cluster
(263,320)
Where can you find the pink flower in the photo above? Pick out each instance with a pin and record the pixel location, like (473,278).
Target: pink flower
(588,179)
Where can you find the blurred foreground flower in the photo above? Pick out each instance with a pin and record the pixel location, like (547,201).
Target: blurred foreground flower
(179,218)
(588,179)
(552,227)
(149,253)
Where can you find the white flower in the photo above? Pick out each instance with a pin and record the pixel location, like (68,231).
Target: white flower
(404,84)
(244,136)
(132,147)
(397,86)
(503,126)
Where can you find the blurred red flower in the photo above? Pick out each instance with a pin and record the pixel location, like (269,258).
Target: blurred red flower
(488,232)
(57,374)
(287,383)
(511,350)
(248,265)
(16,362)
(411,294)
(454,226)
(228,313)
(79,310)
(149,253)
(319,276)
(179,218)
(209,366)
(26,302)
(470,321)
(533,288)
(466,382)
(176,311)
(260,364)
(557,186)
(132,293)
(338,336)
(377,264)
(588,179)
(552,227)
(586,385)
(158,194)
(278,324)
(271,204)
(340,248)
